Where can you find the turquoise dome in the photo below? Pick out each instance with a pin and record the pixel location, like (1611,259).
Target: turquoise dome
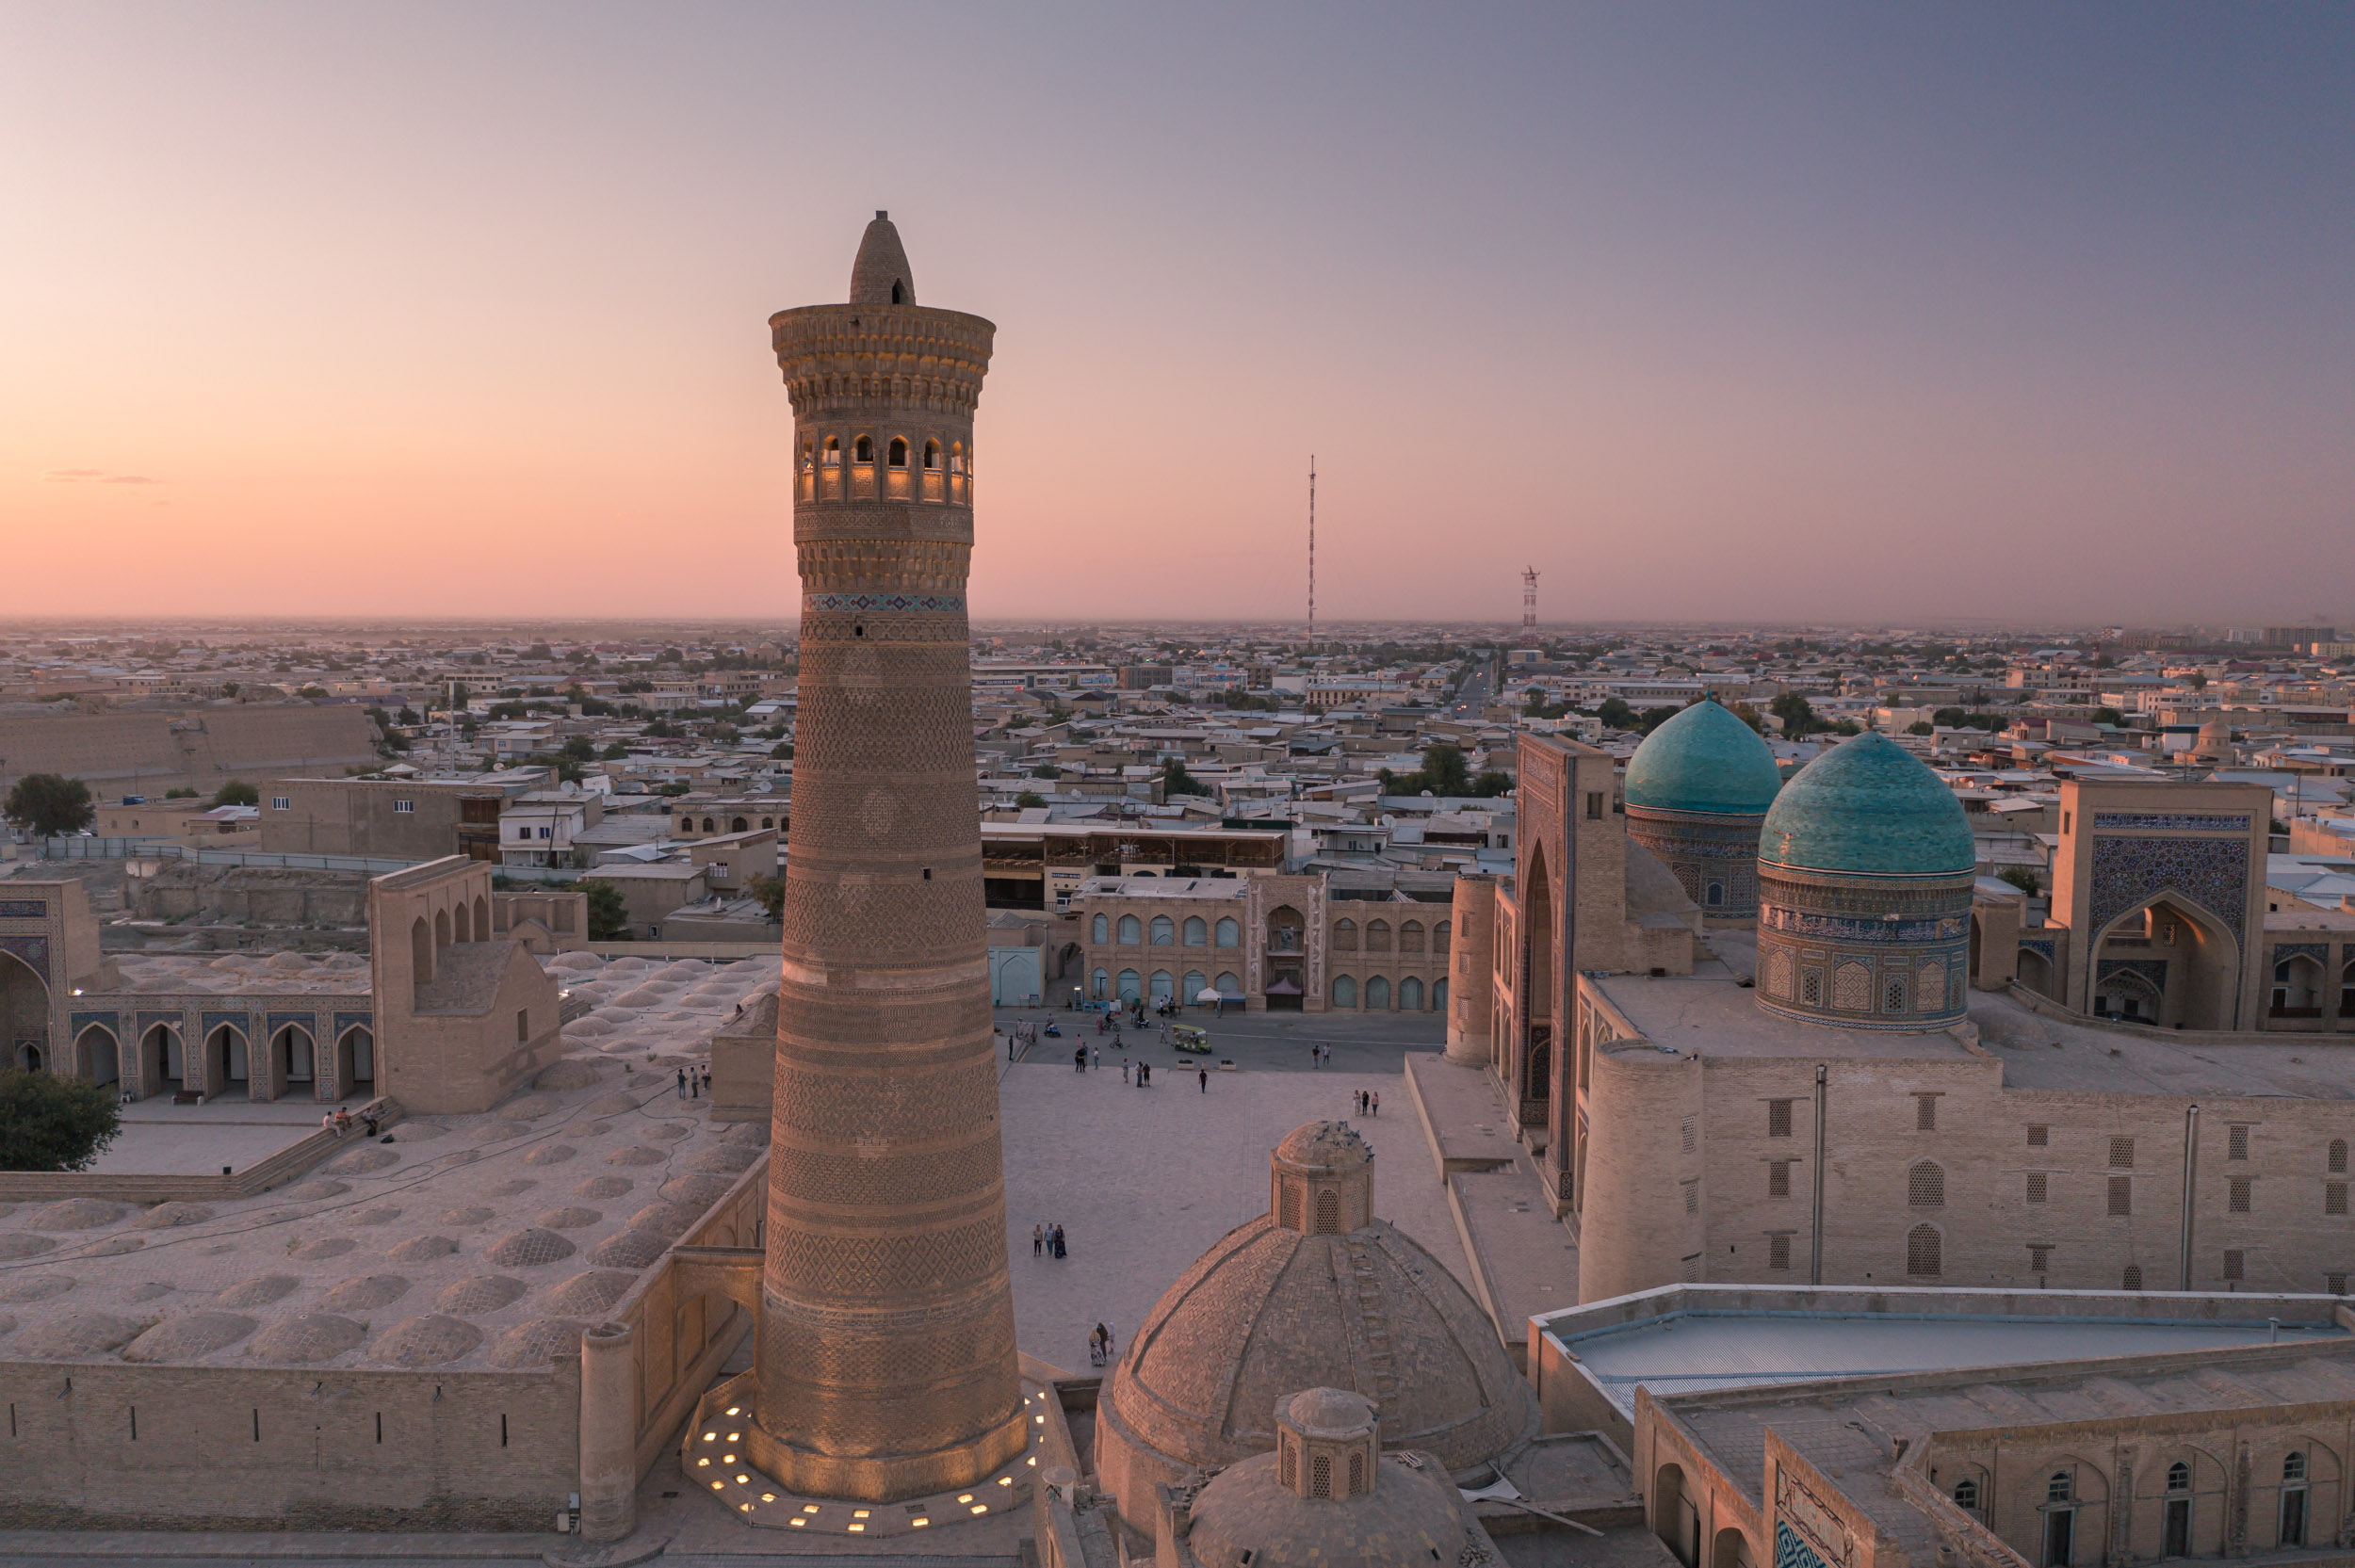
(1868,806)
(1703,760)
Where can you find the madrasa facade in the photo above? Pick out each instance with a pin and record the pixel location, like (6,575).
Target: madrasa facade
(1782,1031)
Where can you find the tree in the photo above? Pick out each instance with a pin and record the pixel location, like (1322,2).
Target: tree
(771,892)
(581,748)
(1797,713)
(50,1123)
(615,752)
(1615,714)
(237,793)
(1920,726)
(1029,798)
(2108,716)
(47,804)
(1177,781)
(1748,715)
(182,793)
(2021,877)
(1651,718)
(1491,783)
(1443,770)
(781,751)
(609,916)
(2199,680)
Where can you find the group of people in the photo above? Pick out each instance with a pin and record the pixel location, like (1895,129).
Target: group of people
(1100,1347)
(694,1082)
(1369,1102)
(1319,1054)
(1047,1241)
(339,1122)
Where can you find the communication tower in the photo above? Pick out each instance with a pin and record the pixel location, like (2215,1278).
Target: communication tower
(1529,599)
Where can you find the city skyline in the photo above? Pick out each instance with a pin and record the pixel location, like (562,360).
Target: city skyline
(1842,316)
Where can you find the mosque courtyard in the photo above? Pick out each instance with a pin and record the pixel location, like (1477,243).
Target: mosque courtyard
(1144,1180)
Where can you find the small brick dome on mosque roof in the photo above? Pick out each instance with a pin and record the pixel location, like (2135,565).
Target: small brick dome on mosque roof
(1704,760)
(1327,1145)
(1868,806)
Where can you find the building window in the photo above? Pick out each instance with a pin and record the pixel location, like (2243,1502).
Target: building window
(1100,930)
(1967,1494)
(2039,1257)
(1227,933)
(280,803)
(1811,987)
(2121,1195)
(2338,1157)
(2335,1197)
(1690,1134)
(2236,1144)
(523,1025)
(1925,1113)
(2122,1154)
(1926,1186)
(1894,997)
(2060,1487)
(865,451)
(2039,1136)
(2334,1284)
(2237,1188)
(1777,1252)
(1692,1196)
(404,806)
(1594,806)
(2037,1187)
(1923,1253)
(1777,1178)
(2132,1279)
(2233,1264)
(899,450)
(1778,1118)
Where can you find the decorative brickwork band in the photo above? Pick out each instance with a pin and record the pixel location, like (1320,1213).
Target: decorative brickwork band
(932,602)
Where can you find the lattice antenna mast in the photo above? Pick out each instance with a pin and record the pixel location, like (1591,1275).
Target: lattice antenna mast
(1312,544)
(1529,599)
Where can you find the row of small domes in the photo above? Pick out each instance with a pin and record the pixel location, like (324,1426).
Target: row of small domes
(1864,805)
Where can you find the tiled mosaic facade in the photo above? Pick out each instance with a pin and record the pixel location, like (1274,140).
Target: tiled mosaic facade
(2212,873)
(1714,857)
(1863,952)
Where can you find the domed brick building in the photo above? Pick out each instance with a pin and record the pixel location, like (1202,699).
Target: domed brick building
(1697,791)
(1865,868)
(1326,1495)
(1317,1293)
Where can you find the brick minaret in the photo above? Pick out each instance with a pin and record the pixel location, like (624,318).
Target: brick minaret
(886,1363)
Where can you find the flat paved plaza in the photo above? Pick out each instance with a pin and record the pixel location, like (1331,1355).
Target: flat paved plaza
(161,1139)
(1144,1180)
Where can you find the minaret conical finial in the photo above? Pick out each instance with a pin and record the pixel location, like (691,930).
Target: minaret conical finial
(881,275)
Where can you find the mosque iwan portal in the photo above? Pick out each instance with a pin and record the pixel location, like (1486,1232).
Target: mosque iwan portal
(886,1365)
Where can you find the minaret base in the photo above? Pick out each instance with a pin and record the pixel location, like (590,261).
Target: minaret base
(884,1478)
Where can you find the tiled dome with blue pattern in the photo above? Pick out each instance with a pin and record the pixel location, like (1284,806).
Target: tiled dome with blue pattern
(1703,760)
(1868,806)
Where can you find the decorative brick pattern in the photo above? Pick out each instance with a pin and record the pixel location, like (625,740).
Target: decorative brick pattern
(2211,873)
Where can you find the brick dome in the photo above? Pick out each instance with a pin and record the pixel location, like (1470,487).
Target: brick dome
(1272,1310)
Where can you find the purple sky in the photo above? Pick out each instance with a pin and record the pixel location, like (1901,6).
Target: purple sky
(1877,313)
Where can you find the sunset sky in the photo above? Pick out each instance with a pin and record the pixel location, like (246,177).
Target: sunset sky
(1875,313)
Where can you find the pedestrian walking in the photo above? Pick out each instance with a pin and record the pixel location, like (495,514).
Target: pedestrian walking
(695,1085)
(1204,1073)
(682,1083)
(1124,1069)
(1038,1240)
(1376,1100)
(1060,1250)
(1096,1060)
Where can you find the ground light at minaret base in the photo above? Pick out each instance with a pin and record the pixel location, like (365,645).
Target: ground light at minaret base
(886,1365)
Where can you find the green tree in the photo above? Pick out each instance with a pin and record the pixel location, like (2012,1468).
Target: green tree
(2108,716)
(237,793)
(1177,781)
(609,916)
(182,793)
(1043,771)
(2021,877)
(1491,783)
(1029,798)
(615,752)
(1615,714)
(1651,718)
(1797,713)
(52,1123)
(1748,715)
(1921,726)
(581,748)
(1443,770)
(781,751)
(771,892)
(47,804)
(676,787)
(2197,680)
